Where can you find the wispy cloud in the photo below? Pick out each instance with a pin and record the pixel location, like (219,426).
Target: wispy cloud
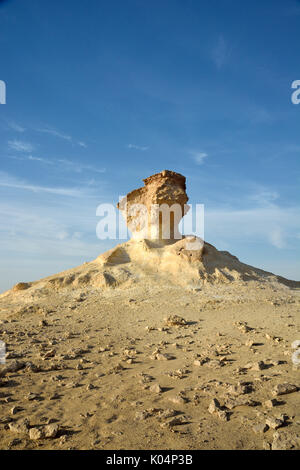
(137,147)
(39,159)
(12,125)
(199,157)
(221,52)
(79,167)
(82,144)
(278,226)
(264,197)
(15,127)
(8,181)
(276,238)
(260,115)
(69,165)
(61,135)
(55,133)
(20,146)
(46,239)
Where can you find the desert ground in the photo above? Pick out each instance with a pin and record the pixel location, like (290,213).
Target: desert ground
(146,362)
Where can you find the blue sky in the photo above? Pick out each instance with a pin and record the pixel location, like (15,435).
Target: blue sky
(102,94)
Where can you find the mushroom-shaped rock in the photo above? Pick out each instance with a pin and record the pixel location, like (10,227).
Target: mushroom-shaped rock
(155,210)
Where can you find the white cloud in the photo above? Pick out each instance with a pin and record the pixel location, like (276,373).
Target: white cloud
(62,235)
(82,144)
(260,115)
(55,133)
(39,159)
(264,197)
(199,157)
(37,239)
(16,127)
(69,165)
(20,146)
(61,135)
(8,181)
(274,225)
(79,167)
(276,238)
(221,52)
(137,147)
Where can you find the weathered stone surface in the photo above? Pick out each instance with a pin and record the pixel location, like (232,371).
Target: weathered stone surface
(21,286)
(284,389)
(139,206)
(260,428)
(35,434)
(155,388)
(175,320)
(13,367)
(51,430)
(19,427)
(283,440)
(274,423)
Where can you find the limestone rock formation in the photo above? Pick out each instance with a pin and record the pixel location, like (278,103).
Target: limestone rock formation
(155,210)
(154,255)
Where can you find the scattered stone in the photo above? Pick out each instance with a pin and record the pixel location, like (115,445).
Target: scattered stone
(274,423)
(141,415)
(145,378)
(90,387)
(240,388)
(48,354)
(178,399)
(243,326)
(271,403)
(36,433)
(177,420)
(234,402)
(260,428)
(19,427)
(161,356)
(284,389)
(32,396)
(178,374)
(13,367)
(273,338)
(175,320)
(155,388)
(167,413)
(51,430)
(215,408)
(284,441)
(257,366)
(54,396)
(198,362)
(266,445)
(117,369)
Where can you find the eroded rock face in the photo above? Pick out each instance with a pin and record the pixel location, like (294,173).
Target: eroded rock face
(155,210)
